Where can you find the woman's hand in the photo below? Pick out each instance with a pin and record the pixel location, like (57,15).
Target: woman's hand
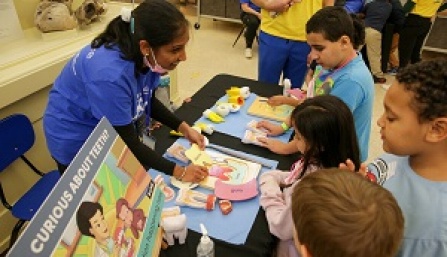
(192,135)
(191,173)
(270,128)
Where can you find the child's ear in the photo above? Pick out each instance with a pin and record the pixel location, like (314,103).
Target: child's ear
(345,41)
(438,130)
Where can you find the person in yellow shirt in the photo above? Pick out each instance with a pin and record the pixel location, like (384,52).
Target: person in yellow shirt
(282,39)
(416,27)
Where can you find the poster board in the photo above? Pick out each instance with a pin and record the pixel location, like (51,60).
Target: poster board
(106,186)
(262,109)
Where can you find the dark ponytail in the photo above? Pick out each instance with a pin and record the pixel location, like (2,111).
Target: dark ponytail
(118,33)
(156,21)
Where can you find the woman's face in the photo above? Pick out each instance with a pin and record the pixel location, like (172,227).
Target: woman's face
(170,55)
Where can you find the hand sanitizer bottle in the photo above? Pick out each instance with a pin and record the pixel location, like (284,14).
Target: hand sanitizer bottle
(287,85)
(206,245)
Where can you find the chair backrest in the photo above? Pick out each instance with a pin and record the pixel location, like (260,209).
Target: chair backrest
(16,138)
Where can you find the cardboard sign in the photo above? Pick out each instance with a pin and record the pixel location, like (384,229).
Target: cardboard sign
(105,203)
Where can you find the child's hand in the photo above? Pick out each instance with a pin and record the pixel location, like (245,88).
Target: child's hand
(349,165)
(276,100)
(273,145)
(270,128)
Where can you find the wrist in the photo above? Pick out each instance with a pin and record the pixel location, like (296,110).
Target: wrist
(183,128)
(182,175)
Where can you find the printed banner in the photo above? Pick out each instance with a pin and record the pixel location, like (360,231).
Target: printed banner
(105,204)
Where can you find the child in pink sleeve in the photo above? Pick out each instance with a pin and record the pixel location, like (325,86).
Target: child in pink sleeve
(325,135)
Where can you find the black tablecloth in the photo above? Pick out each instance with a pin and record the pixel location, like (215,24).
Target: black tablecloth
(259,241)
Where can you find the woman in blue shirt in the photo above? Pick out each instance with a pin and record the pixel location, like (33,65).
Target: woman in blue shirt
(114,77)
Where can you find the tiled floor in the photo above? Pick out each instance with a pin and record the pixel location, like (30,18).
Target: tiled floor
(210,52)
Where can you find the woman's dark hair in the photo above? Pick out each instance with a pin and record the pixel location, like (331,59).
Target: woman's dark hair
(156,21)
(327,126)
(333,22)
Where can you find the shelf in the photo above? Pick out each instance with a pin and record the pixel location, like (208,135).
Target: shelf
(31,63)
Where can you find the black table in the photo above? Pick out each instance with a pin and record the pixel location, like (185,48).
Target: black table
(259,242)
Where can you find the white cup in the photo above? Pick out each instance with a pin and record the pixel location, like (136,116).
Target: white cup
(245,92)
(223,110)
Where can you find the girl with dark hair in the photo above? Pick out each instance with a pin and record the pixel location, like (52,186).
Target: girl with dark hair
(115,77)
(325,134)
(334,36)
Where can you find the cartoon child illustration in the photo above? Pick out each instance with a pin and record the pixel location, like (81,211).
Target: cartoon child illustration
(90,221)
(124,212)
(133,219)
(138,222)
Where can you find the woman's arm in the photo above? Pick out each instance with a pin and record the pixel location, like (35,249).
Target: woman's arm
(274,5)
(164,115)
(150,159)
(145,155)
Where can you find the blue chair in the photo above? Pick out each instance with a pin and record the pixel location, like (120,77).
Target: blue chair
(16,138)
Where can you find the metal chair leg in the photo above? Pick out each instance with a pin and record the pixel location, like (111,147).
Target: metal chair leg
(15,232)
(238,36)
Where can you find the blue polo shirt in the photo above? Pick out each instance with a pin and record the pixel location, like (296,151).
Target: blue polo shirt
(93,84)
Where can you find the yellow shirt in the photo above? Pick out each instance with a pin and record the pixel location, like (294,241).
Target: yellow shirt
(292,23)
(426,8)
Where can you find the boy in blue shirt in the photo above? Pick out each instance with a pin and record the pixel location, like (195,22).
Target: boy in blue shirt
(333,36)
(414,133)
